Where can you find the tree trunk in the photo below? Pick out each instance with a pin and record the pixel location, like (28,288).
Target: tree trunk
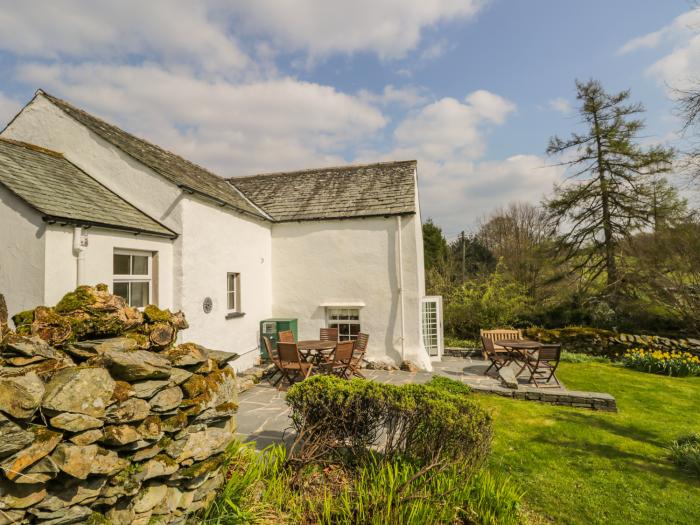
(161,334)
(608,241)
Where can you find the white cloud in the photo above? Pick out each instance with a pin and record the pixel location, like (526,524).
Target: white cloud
(234,129)
(406,96)
(435,50)
(458,192)
(389,28)
(561,105)
(168,30)
(681,63)
(9,107)
(448,128)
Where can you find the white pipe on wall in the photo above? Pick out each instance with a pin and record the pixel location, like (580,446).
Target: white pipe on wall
(401,301)
(79,251)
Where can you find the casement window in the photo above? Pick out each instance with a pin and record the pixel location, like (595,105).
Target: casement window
(233,292)
(133,277)
(346,320)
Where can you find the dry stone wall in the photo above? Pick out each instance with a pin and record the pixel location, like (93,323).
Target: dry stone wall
(103,419)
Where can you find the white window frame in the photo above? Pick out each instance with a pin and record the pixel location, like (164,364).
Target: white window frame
(341,308)
(236,292)
(131,278)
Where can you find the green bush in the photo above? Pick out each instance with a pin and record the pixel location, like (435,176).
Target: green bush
(494,301)
(685,452)
(422,423)
(264,488)
(449,385)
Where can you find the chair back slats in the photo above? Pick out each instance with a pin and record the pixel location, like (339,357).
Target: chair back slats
(288,353)
(343,352)
(501,334)
(549,353)
(268,346)
(286,336)
(328,334)
(489,347)
(361,342)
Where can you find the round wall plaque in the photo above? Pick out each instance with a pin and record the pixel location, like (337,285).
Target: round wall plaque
(207,305)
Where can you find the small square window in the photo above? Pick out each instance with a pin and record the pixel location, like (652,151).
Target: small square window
(346,320)
(132,277)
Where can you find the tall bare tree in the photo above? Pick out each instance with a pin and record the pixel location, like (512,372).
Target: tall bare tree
(607,194)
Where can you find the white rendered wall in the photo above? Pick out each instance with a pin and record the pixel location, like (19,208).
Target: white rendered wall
(61,263)
(21,254)
(346,262)
(216,242)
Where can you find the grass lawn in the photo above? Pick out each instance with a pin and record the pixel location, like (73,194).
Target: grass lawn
(580,466)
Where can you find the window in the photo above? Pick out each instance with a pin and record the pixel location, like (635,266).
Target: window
(132,277)
(346,320)
(233,292)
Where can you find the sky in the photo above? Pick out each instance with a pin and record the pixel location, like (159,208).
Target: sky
(472,89)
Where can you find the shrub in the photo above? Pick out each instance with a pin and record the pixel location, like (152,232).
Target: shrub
(449,385)
(678,364)
(422,423)
(685,452)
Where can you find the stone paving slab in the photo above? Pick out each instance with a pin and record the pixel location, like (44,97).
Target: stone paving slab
(263,415)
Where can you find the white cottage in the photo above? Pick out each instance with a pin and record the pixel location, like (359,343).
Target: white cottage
(83,202)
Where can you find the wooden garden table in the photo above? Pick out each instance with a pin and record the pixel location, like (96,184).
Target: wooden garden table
(519,350)
(315,350)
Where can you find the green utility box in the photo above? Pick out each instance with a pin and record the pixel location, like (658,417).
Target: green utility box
(270,328)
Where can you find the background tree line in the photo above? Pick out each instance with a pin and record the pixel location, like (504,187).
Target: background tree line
(613,246)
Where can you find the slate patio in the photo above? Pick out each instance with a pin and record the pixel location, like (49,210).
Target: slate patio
(263,415)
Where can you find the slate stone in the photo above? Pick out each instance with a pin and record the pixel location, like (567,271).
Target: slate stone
(148,389)
(75,460)
(179,376)
(14,496)
(28,346)
(43,444)
(88,437)
(20,395)
(137,365)
(94,384)
(157,467)
(76,514)
(15,516)
(118,435)
(149,496)
(187,354)
(75,422)
(72,492)
(167,399)
(40,472)
(129,411)
(108,463)
(200,445)
(222,357)
(12,437)
(96,347)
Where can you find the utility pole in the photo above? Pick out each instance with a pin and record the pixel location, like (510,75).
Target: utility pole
(464,258)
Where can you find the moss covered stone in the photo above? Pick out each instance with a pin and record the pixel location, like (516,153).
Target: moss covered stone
(23,318)
(79,299)
(153,314)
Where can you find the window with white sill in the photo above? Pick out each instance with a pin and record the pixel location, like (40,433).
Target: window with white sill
(346,320)
(133,277)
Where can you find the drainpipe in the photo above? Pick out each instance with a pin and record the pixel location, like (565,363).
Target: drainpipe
(79,250)
(401,302)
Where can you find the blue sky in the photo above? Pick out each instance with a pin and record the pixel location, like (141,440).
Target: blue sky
(471,88)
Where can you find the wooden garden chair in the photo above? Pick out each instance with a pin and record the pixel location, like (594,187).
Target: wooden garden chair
(339,365)
(358,355)
(498,358)
(543,364)
(328,334)
(292,365)
(286,336)
(272,354)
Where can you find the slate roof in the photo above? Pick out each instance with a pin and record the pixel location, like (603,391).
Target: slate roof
(172,167)
(60,191)
(386,188)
